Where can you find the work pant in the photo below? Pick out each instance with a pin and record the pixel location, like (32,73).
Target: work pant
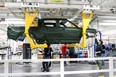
(99,62)
(103,55)
(64,55)
(50,62)
(46,65)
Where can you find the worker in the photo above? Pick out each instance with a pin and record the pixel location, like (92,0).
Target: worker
(103,52)
(51,50)
(47,55)
(99,52)
(71,52)
(64,52)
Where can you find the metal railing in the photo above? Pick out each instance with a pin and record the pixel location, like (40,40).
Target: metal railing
(6,73)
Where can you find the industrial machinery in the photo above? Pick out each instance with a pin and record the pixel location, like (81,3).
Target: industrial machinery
(50,30)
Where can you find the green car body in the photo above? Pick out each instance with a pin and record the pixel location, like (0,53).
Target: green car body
(52,30)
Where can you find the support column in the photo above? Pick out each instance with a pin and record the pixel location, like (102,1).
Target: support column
(86,20)
(29,18)
(6,68)
(111,67)
(62,68)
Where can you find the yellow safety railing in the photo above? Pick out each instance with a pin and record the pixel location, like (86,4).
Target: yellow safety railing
(86,18)
(29,18)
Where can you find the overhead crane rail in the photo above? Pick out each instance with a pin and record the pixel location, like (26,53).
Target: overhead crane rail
(69,2)
(50,4)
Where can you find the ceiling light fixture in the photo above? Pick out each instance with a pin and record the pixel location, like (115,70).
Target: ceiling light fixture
(108,24)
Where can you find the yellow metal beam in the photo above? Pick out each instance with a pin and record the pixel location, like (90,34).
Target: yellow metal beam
(85,21)
(101,76)
(29,18)
(71,45)
(58,1)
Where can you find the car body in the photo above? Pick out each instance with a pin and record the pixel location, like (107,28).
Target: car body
(50,30)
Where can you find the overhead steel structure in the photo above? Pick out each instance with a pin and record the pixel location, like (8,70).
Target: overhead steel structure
(47,8)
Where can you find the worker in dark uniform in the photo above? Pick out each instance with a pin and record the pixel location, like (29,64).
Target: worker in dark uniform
(71,52)
(47,55)
(99,52)
(103,52)
(50,56)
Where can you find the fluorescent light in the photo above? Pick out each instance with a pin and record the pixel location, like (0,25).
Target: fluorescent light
(108,24)
(107,17)
(108,21)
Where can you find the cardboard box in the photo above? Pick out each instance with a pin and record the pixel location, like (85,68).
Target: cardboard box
(56,57)
(40,56)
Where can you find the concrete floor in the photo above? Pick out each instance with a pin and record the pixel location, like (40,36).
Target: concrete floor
(35,67)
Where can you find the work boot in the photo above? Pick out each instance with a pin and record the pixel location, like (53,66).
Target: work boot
(43,70)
